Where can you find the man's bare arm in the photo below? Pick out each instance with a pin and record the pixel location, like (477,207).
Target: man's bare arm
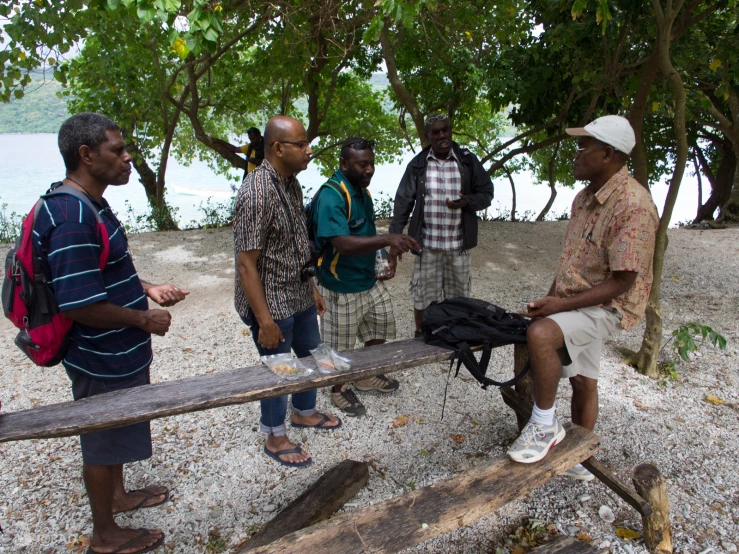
(105,315)
(618,283)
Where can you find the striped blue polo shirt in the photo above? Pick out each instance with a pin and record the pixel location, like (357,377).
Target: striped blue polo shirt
(67,242)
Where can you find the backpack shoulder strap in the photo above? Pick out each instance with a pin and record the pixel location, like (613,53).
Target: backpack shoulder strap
(82,197)
(79,195)
(341,189)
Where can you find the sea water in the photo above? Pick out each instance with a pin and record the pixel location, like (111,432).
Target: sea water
(29,163)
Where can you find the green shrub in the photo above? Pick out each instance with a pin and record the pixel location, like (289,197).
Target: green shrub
(10,224)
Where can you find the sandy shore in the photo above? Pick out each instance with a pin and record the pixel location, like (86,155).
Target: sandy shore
(224,487)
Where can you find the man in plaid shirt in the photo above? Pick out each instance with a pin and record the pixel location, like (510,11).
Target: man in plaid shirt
(442,189)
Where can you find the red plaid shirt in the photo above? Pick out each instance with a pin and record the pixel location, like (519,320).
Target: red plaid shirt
(442,227)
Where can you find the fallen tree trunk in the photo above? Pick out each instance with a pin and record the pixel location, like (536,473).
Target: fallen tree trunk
(423,514)
(332,490)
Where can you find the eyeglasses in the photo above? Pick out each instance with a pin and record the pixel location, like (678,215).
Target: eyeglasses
(361,144)
(580,150)
(436,118)
(302,144)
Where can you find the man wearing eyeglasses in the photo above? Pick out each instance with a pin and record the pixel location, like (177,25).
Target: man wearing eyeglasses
(358,305)
(601,285)
(442,189)
(274,295)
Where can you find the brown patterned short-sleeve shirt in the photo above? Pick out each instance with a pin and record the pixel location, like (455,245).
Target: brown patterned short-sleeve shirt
(611,230)
(268,216)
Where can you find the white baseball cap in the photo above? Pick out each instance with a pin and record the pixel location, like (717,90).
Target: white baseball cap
(613,130)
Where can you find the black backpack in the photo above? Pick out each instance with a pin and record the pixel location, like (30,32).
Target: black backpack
(460,323)
(310,210)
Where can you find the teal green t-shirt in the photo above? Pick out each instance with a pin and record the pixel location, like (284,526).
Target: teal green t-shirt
(339,272)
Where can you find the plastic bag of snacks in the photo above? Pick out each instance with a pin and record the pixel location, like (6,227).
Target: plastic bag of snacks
(328,360)
(285,366)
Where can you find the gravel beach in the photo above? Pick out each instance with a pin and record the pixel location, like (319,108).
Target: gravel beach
(224,487)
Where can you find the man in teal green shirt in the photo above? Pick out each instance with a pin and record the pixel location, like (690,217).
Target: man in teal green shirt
(358,305)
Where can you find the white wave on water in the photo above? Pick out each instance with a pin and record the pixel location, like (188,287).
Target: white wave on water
(216,194)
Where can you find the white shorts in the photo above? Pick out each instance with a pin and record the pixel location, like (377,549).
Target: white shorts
(584,331)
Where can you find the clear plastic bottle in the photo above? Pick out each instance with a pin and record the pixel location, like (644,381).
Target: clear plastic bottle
(381,265)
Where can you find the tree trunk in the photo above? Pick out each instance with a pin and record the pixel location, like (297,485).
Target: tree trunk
(730,208)
(161,213)
(721,183)
(552,185)
(650,485)
(646,359)
(404,96)
(513,192)
(637,113)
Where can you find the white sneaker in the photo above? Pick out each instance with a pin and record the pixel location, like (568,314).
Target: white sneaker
(580,473)
(535,441)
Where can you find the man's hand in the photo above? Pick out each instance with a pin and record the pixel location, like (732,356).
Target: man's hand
(166,295)
(392,264)
(458,204)
(401,243)
(543,307)
(156,322)
(270,336)
(319,301)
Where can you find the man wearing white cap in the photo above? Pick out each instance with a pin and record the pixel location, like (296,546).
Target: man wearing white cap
(601,286)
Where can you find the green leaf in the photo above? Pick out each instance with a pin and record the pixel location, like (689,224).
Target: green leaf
(18,93)
(113,4)
(211,35)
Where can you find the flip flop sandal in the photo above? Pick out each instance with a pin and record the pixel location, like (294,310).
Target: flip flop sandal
(319,425)
(132,541)
(296,450)
(148,496)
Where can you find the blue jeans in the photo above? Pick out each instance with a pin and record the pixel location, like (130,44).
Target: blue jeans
(301,335)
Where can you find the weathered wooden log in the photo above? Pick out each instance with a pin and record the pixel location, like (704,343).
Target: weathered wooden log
(565,545)
(329,493)
(525,387)
(657,528)
(203,392)
(425,513)
(523,408)
(609,479)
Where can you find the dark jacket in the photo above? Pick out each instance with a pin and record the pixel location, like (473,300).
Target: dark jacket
(476,185)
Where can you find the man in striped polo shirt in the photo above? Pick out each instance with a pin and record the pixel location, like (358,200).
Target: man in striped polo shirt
(110,343)
(444,187)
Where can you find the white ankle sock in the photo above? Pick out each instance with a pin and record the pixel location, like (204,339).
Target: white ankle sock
(542,417)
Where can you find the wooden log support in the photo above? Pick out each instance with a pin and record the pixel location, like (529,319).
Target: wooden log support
(657,528)
(565,545)
(203,392)
(525,387)
(319,501)
(523,406)
(425,513)
(610,480)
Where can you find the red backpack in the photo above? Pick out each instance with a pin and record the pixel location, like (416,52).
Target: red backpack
(29,301)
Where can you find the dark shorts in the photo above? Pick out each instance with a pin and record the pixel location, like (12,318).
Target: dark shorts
(121,445)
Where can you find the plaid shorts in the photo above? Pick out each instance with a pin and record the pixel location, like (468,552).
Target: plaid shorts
(440,274)
(366,316)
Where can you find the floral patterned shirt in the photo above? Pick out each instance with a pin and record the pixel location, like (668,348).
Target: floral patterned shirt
(611,230)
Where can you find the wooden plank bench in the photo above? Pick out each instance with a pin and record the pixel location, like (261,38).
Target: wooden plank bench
(204,392)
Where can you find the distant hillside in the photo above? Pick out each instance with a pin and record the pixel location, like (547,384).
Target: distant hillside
(39,111)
